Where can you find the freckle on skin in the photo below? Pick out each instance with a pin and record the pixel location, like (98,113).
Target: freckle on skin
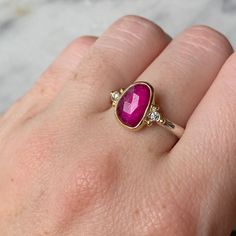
(136,212)
(12,180)
(46,233)
(150,150)
(42,90)
(29,118)
(164,206)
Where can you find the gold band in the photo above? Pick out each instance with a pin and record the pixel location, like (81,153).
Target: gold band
(172,127)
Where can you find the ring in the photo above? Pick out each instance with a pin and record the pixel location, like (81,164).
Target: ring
(135,108)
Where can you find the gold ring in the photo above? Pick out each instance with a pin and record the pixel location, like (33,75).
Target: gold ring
(135,108)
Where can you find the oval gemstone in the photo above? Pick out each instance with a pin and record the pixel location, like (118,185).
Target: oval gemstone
(132,105)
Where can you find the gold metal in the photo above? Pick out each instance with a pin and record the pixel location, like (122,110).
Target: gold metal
(151,115)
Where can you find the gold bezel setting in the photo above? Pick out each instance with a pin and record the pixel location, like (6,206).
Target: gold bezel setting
(150,115)
(117,95)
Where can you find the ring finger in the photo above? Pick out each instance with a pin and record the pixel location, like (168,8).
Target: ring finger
(183,73)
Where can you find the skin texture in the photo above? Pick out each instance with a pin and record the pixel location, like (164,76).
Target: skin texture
(68,168)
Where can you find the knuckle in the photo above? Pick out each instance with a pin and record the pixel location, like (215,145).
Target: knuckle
(82,42)
(88,182)
(78,179)
(208,39)
(137,28)
(137,19)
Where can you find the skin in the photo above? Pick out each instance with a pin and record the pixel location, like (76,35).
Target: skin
(67,167)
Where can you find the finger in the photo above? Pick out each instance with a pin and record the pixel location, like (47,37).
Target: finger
(186,68)
(65,67)
(115,60)
(209,148)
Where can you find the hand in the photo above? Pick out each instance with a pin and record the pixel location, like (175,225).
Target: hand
(67,167)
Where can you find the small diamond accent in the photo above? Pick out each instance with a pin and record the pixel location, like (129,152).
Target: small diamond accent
(154,116)
(115,96)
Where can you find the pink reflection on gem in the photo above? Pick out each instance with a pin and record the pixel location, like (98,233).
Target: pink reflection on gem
(129,107)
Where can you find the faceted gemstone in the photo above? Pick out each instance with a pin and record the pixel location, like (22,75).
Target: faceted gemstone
(133,104)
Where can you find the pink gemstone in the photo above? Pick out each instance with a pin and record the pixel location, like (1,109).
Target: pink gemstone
(132,105)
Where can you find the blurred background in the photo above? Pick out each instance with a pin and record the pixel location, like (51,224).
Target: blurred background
(33,32)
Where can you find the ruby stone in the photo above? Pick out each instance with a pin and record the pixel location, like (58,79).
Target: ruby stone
(132,105)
